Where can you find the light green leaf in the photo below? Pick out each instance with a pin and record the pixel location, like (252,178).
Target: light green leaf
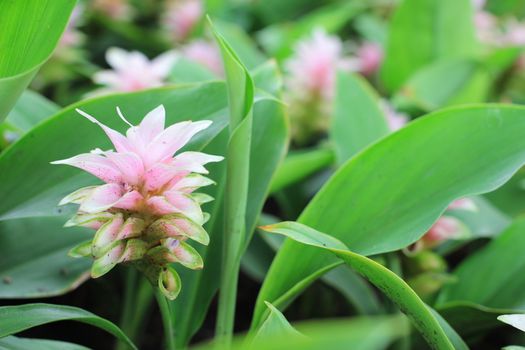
(14,319)
(30,110)
(422,31)
(358,120)
(275,325)
(387,281)
(30,31)
(34,258)
(389,195)
(498,267)
(16,343)
(445,83)
(300,164)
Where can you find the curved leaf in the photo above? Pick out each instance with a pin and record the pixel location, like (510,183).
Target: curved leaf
(30,31)
(357,121)
(275,325)
(422,31)
(16,343)
(389,195)
(387,281)
(14,319)
(34,260)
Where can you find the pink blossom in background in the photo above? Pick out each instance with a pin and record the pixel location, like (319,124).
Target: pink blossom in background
(204,52)
(147,207)
(132,71)
(394,119)
(181,17)
(370,57)
(312,68)
(446,227)
(115,9)
(71,36)
(514,33)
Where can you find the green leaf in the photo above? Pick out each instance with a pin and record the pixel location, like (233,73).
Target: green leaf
(422,31)
(30,110)
(16,343)
(14,319)
(300,164)
(460,81)
(358,120)
(30,31)
(389,195)
(387,281)
(275,325)
(363,333)
(34,258)
(498,267)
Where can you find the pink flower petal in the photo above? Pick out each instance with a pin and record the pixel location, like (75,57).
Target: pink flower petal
(160,174)
(120,142)
(94,164)
(152,124)
(129,164)
(102,198)
(463,204)
(194,161)
(172,139)
(129,201)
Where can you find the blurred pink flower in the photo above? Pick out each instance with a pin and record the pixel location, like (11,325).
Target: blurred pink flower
(369,58)
(71,36)
(206,53)
(115,9)
(446,227)
(313,67)
(147,206)
(514,33)
(181,17)
(394,119)
(133,71)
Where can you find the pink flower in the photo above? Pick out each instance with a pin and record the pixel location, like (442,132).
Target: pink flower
(395,120)
(515,33)
(369,58)
(181,17)
(115,9)
(205,53)
(313,67)
(446,227)
(147,207)
(71,36)
(133,71)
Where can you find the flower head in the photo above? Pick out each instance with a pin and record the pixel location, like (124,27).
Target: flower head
(181,17)
(368,58)
(147,208)
(133,71)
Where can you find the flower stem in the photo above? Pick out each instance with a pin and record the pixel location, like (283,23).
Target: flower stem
(167,320)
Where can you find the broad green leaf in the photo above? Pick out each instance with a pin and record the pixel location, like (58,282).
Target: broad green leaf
(454,337)
(422,31)
(387,281)
(389,195)
(14,319)
(357,120)
(510,198)
(363,333)
(459,81)
(30,31)
(44,184)
(300,164)
(275,325)
(16,343)
(186,71)
(30,110)
(34,257)
(470,320)
(498,267)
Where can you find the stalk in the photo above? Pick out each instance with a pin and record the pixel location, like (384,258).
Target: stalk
(167,320)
